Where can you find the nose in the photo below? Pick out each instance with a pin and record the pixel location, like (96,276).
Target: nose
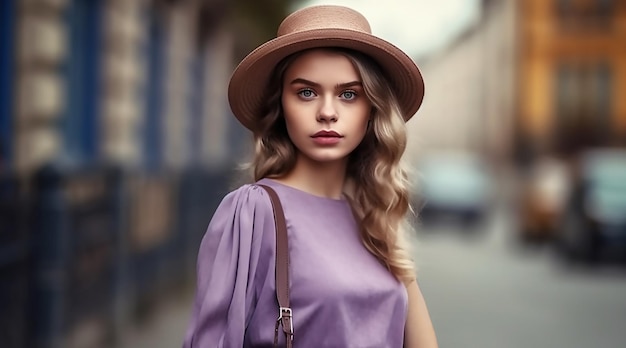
(327,111)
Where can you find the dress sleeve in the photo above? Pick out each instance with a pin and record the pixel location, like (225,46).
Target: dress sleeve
(228,261)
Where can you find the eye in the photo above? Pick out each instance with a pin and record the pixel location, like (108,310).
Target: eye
(348,95)
(306,93)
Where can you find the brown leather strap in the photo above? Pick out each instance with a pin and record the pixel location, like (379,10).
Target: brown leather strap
(282,270)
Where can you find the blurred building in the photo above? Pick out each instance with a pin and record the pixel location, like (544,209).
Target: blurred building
(530,78)
(470,89)
(116,144)
(571,75)
(140,82)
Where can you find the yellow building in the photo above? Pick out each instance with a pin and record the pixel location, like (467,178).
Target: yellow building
(571,75)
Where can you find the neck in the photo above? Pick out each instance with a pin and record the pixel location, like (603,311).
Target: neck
(324,179)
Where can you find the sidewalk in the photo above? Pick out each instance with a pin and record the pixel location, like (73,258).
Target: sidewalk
(165,328)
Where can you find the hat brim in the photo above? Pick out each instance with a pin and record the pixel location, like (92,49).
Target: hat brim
(249,80)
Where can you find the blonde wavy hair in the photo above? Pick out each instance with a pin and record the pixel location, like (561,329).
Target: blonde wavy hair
(376,177)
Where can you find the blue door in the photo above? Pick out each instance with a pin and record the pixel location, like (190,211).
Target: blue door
(153,128)
(196,108)
(7,32)
(82,71)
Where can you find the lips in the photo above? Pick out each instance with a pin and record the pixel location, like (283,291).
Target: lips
(326,134)
(327,138)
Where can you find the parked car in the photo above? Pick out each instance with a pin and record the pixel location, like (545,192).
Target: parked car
(453,185)
(541,200)
(594,220)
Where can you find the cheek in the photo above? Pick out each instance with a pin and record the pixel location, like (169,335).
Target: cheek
(291,122)
(290,109)
(363,131)
(365,120)
(288,112)
(367,124)
(359,131)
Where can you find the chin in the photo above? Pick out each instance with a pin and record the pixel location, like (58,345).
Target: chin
(326,157)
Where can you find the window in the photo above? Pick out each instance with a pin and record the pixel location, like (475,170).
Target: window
(583,115)
(585,14)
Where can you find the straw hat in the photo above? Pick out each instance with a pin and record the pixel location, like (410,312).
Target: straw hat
(316,27)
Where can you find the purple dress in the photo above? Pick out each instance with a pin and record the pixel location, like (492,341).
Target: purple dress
(341,295)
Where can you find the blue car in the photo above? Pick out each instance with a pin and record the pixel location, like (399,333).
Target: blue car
(452,185)
(594,220)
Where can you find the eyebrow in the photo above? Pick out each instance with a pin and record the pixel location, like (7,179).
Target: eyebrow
(317,85)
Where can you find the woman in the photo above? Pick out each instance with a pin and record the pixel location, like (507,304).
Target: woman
(326,102)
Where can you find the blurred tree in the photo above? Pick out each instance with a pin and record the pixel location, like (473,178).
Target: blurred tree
(256,21)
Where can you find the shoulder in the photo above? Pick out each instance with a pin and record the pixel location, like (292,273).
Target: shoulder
(241,212)
(249,196)
(249,203)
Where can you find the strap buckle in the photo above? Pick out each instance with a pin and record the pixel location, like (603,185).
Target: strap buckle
(285,313)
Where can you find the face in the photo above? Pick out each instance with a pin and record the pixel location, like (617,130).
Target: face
(325,107)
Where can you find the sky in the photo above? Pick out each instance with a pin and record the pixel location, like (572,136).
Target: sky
(418,27)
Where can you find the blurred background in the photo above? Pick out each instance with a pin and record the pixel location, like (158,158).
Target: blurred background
(117,144)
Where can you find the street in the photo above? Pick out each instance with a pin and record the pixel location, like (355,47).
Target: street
(487,291)
(484,290)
